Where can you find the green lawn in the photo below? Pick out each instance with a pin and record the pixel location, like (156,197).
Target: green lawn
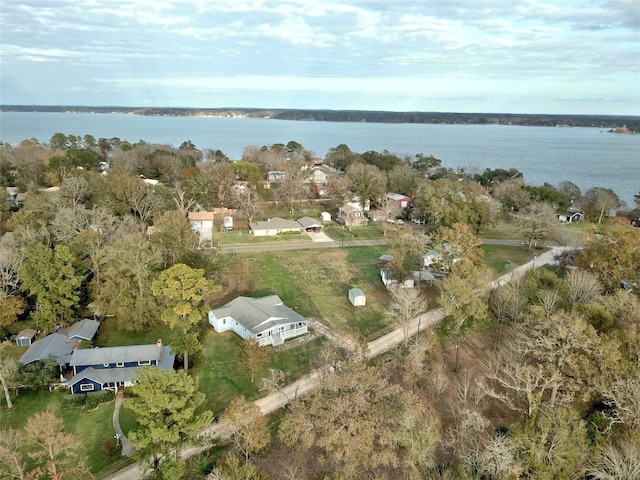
(219,376)
(315,283)
(243,237)
(91,427)
(503,258)
(338,233)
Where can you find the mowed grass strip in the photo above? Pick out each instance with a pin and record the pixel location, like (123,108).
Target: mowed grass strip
(504,258)
(339,233)
(315,283)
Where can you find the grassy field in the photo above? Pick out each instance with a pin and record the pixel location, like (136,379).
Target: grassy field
(315,283)
(502,258)
(243,237)
(338,233)
(220,377)
(91,427)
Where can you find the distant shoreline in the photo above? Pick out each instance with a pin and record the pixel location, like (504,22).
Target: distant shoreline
(612,122)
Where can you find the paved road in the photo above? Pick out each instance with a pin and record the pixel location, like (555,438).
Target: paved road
(309,382)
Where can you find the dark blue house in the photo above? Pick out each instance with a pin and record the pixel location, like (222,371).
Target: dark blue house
(96,369)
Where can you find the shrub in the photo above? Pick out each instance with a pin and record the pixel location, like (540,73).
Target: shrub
(95,399)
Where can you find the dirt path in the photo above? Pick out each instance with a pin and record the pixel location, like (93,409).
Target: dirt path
(309,382)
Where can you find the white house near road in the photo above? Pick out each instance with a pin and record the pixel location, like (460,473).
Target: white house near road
(274,226)
(266,319)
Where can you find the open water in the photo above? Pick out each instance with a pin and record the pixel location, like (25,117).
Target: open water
(588,157)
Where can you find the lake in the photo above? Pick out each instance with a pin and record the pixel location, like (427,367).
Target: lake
(586,156)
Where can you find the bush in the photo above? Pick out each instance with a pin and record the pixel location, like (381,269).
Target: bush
(70,400)
(95,399)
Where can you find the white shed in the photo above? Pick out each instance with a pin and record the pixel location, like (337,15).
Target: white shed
(325,216)
(357,297)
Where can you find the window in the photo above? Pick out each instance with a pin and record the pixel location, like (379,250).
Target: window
(86,387)
(224,321)
(119,364)
(144,362)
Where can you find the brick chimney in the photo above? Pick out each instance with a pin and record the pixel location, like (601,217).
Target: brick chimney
(159,345)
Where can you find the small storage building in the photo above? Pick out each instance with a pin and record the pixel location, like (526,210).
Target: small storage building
(325,216)
(357,297)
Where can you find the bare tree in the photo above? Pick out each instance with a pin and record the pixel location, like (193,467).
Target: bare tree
(584,287)
(499,458)
(536,223)
(521,387)
(407,304)
(56,451)
(549,299)
(275,381)
(508,302)
(624,400)
(75,190)
(243,423)
(11,464)
(246,200)
(253,357)
(8,371)
(619,461)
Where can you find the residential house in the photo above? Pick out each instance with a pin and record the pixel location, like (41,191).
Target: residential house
(108,368)
(352,215)
(275,175)
(570,217)
(274,226)
(318,176)
(61,344)
(402,201)
(201,221)
(25,337)
(266,319)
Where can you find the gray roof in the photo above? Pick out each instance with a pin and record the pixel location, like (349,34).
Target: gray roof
(308,222)
(85,329)
(129,353)
(275,223)
(258,314)
(55,344)
(124,374)
(356,292)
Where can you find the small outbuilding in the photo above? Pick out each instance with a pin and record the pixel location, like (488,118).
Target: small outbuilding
(357,297)
(26,337)
(325,216)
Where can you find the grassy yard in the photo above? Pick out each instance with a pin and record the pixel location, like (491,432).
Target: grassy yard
(338,233)
(243,237)
(503,258)
(315,283)
(91,427)
(220,377)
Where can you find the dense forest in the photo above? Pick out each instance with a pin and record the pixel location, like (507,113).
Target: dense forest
(632,123)
(538,378)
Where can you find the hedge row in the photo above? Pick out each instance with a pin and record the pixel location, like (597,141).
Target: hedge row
(88,401)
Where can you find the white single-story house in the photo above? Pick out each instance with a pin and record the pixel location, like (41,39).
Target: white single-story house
(570,217)
(96,369)
(357,297)
(266,319)
(201,221)
(274,226)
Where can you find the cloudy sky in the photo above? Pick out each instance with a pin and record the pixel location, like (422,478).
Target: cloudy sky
(521,56)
